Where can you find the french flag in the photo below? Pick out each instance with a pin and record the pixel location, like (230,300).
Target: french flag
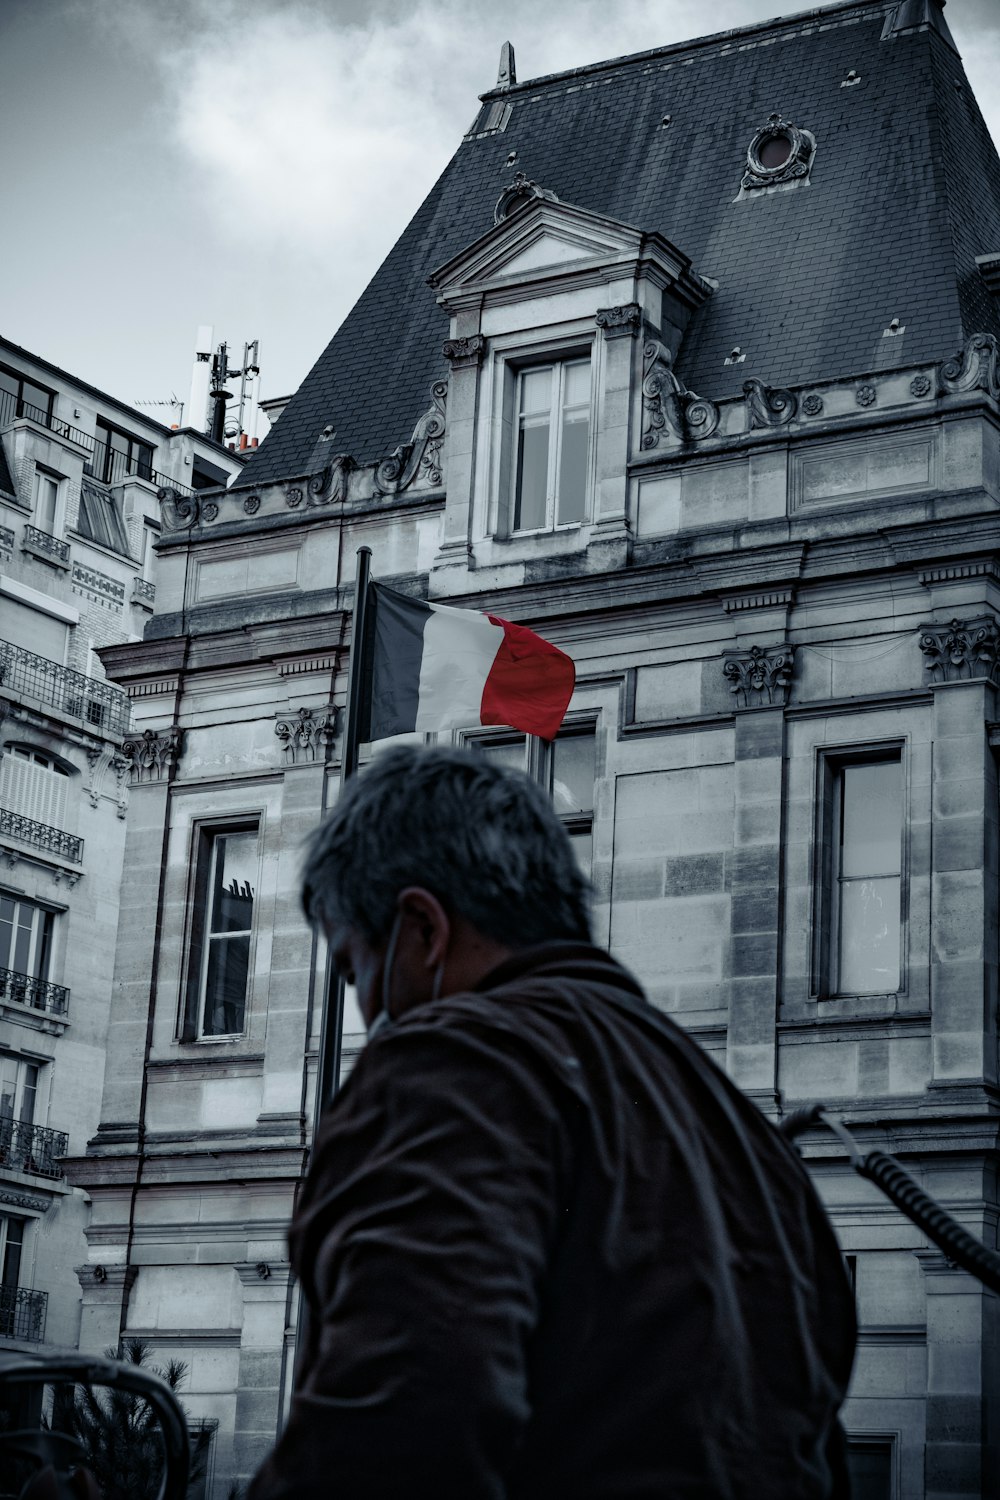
(434,667)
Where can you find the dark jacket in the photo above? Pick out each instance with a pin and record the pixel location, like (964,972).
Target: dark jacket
(550,1251)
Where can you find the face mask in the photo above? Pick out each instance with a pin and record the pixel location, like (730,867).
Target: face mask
(383,1017)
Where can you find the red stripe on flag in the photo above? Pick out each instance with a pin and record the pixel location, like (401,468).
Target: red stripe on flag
(530,683)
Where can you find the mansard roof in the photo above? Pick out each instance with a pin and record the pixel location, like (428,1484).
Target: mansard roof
(903,194)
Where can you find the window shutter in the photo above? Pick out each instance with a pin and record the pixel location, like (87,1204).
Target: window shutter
(33,791)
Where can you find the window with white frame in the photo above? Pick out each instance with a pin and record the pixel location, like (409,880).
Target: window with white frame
(226,877)
(860,906)
(45,500)
(34,784)
(25,937)
(565,767)
(552,442)
(19,1081)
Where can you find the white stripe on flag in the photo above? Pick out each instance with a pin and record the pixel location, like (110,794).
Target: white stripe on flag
(460,647)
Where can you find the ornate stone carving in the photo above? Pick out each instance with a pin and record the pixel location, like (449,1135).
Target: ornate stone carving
(421,455)
(293,496)
(975,367)
(794,165)
(865,395)
(306,736)
(767,406)
(25,1200)
(521,191)
(466,353)
(920,385)
(99,759)
(251,504)
(759,677)
(962,650)
(328,486)
(667,403)
(209,510)
(177,511)
(120,764)
(812,404)
(620,322)
(152,754)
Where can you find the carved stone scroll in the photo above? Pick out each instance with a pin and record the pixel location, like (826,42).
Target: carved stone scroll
(328,486)
(962,650)
(667,403)
(177,511)
(152,754)
(465,353)
(767,406)
(620,322)
(306,736)
(975,367)
(759,677)
(421,455)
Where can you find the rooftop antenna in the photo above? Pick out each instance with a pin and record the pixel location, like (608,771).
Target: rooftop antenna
(174,402)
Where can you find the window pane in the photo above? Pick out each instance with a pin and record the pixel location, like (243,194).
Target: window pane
(573,773)
(576,383)
(511,753)
(870,1468)
(142,460)
(9,385)
(13,1246)
(235,872)
(226,985)
(573,466)
(38,402)
(871,819)
(869,937)
(532,477)
(536,391)
(583,848)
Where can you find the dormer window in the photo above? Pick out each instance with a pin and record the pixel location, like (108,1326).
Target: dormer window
(553,445)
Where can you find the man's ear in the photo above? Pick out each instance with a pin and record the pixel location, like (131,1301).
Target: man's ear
(429,923)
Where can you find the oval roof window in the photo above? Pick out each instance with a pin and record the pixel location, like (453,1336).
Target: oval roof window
(775,152)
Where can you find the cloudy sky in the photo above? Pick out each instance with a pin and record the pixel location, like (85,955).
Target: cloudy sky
(248,163)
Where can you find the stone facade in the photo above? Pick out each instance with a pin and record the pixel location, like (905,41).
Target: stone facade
(773,586)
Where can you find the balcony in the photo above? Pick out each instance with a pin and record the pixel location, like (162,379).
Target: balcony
(11,409)
(22,1314)
(31,1148)
(144,590)
(87,698)
(53,840)
(50,548)
(23,989)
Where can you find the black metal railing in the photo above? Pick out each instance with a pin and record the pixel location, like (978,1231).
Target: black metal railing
(22,1313)
(44,541)
(87,698)
(54,840)
(25,989)
(31,1148)
(111,466)
(11,408)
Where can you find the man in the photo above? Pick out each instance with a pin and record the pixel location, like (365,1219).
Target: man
(548,1249)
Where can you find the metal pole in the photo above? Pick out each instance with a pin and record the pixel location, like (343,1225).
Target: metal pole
(332,1019)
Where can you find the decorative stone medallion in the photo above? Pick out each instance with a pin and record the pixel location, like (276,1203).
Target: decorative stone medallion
(865,395)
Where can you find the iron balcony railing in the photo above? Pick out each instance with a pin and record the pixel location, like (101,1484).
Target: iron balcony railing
(44,541)
(106,464)
(24,989)
(31,1148)
(54,840)
(110,466)
(22,1313)
(86,698)
(11,408)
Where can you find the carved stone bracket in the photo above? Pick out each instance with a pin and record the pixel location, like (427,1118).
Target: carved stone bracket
(620,322)
(759,677)
(975,367)
(99,758)
(151,755)
(328,486)
(421,456)
(464,354)
(667,403)
(120,764)
(177,511)
(962,650)
(767,406)
(306,736)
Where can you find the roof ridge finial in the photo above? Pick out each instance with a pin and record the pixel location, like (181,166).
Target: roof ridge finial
(507,75)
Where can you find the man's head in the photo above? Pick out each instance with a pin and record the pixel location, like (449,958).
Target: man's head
(448,858)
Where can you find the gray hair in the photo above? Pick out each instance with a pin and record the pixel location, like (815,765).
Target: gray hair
(483,839)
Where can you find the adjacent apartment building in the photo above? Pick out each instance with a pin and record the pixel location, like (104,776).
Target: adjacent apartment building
(79,516)
(690,362)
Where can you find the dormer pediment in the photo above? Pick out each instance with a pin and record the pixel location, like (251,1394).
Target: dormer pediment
(546,242)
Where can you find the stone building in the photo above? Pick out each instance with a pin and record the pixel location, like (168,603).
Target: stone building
(688,361)
(79,474)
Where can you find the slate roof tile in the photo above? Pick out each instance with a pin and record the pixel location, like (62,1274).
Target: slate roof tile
(904,193)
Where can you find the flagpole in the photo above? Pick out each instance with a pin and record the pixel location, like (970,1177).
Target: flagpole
(332,1018)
